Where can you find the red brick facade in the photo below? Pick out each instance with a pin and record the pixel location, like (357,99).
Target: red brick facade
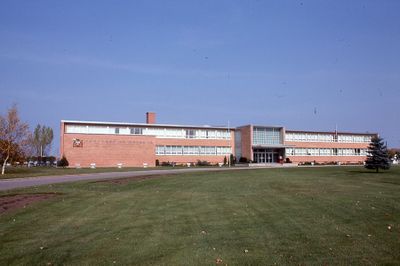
(109,150)
(246,142)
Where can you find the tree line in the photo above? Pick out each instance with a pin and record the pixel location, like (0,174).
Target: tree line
(17,143)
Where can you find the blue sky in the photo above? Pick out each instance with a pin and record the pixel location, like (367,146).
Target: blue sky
(306,65)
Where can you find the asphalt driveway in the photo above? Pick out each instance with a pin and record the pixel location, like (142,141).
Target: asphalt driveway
(8,184)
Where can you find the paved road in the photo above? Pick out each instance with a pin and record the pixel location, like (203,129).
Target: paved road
(8,184)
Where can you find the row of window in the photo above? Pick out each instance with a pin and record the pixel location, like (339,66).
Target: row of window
(180,133)
(192,150)
(325,152)
(319,137)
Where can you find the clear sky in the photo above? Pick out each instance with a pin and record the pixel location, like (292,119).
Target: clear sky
(307,65)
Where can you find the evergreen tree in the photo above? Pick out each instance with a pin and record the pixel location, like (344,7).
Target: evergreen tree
(378,156)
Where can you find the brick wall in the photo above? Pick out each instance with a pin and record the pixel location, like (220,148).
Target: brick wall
(109,150)
(247,142)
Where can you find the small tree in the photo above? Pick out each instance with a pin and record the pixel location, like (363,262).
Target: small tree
(17,154)
(225,160)
(378,156)
(232,159)
(13,135)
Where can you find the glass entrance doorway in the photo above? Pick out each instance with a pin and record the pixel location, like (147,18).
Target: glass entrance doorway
(266,155)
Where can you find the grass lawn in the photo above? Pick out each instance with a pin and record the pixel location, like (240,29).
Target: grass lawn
(322,216)
(16,172)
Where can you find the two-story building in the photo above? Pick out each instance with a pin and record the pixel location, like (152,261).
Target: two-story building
(135,144)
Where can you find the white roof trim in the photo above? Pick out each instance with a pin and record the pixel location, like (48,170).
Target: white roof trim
(143,124)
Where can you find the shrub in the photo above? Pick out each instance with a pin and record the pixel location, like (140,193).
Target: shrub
(288,160)
(157,162)
(243,160)
(225,160)
(203,163)
(168,163)
(63,162)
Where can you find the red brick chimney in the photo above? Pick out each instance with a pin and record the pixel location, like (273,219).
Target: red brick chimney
(150,118)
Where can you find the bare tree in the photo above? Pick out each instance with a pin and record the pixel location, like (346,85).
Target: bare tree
(13,135)
(42,139)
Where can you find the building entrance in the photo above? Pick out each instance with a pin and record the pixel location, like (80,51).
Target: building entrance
(266,155)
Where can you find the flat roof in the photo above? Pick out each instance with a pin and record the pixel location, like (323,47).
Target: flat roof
(206,127)
(268,126)
(144,124)
(272,146)
(330,132)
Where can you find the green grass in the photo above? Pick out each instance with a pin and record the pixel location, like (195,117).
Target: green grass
(321,216)
(18,172)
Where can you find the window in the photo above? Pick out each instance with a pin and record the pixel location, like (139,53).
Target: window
(136,131)
(192,150)
(325,152)
(190,133)
(211,134)
(202,134)
(289,151)
(117,130)
(313,151)
(263,136)
(160,150)
(76,129)
(300,151)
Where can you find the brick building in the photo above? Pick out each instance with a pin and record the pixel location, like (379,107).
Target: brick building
(135,144)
